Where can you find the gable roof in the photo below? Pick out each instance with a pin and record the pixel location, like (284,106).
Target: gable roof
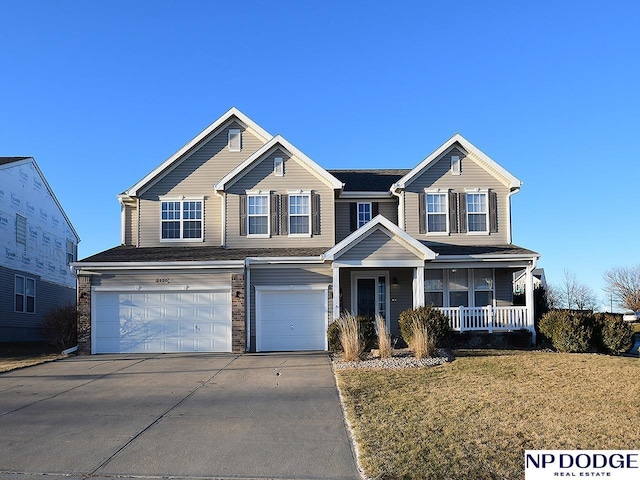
(368,180)
(383,224)
(198,140)
(254,160)
(8,162)
(480,157)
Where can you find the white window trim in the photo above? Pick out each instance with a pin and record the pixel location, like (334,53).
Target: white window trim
(358,213)
(181,200)
(298,193)
(456,164)
(259,193)
(24,302)
(437,191)
(278,167)
(471,290)
(232,132)
(485,192)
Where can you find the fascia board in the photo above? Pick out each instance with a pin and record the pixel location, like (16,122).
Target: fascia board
(366,195)
(253,160)
(157,265)
(283,260)
(489,164)
(506,257)
(169,162)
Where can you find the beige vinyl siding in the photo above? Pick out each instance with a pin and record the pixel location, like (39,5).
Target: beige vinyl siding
(195,176)
(504,287)
(378,246)
(296,177)
(307,275)
(386,208)
(158,279)
(130,225)
(472,176)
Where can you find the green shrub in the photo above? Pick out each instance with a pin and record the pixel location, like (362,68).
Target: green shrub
(367,332)
(430,318)
(612,334)
(568,331)
(59,327)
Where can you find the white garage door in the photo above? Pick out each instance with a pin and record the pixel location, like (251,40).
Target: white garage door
(162,322)
(289,320)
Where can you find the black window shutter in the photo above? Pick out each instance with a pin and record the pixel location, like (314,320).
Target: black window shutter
(273,212)
(243,215)
(422,212)
(353,216)
(453,212)
(462,212)
(493,212)
(375,209)
(284,215)
(315,213)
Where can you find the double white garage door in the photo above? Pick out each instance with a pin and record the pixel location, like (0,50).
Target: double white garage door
(287,319)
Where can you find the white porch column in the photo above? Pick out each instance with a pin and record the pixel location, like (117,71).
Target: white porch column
(418,287)
(528,289)
(336,292)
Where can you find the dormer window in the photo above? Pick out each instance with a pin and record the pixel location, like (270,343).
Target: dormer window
(235,140)
(278,167)
(455,164)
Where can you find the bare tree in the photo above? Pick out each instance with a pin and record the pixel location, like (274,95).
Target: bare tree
(575,294)
(553,295)
(623,284)
(585,298)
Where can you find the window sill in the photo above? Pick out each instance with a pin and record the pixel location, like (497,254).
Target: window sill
(437,234)
(477,233)
(181,240)
(299,235)
(258,235)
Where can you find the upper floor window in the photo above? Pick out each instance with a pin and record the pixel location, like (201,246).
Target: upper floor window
(300,214)
(437,212)
(71,252)
(25,294)
(235,140)
(258,215)
(21,230)
(477,213)
(181,220)
(364,213)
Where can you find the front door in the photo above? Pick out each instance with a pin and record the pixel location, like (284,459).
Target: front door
(370,294)
(366,297)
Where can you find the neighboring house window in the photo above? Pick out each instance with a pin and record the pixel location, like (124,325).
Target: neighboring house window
(25,294)
(21,230)
(278,167)
(71,252)
(258,215)
(483,286)
(437,212)
(364,213)
(459,287)
(455,164)
(299,214)
(235,140)
(434,288)
(182,220)
(477,213)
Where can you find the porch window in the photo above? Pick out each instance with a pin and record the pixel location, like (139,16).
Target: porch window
(459,287)
(434,288)
(483,286)
(436,212)
(181,220)
(258,215)
(477,213)
(299,215)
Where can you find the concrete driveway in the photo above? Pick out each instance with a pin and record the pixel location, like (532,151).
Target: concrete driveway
(174,416)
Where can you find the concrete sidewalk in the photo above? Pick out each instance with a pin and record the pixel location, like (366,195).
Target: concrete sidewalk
(174,416)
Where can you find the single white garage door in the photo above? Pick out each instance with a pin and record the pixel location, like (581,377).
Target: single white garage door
(291,319)
(161,322)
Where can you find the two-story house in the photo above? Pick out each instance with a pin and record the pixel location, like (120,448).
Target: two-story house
(38,245)
(240,242)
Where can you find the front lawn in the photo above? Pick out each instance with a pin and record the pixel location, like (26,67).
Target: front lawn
(474,417)
(19,355)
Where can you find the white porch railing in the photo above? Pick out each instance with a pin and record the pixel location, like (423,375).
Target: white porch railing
(488,318)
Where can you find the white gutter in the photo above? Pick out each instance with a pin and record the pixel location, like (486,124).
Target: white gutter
(156,265)
(287,260)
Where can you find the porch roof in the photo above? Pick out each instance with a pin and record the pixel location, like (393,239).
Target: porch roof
(446,250)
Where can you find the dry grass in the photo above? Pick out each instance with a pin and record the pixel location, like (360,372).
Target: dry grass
(20,355)
(352,343)
(421,344)
(474,418)
(385,346)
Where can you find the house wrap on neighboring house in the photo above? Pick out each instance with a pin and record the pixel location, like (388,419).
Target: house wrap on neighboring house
(240,242)
(38,243)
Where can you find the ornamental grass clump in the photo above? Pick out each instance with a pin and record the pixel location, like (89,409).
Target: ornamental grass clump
(385,347)
(352,342)
(422,343)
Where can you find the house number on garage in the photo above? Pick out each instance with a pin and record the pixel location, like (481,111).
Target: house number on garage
(162,280)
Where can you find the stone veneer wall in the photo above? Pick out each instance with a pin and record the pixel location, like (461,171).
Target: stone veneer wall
(84,315)
(238,314)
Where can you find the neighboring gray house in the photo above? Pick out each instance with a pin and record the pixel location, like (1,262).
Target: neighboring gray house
(240,242)
(38,245)
(520,280)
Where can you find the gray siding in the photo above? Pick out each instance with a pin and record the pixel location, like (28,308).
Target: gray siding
(317,274)
(378,246)
(23,327)
(195,176)
(296,177)
(386,208)
(472,176)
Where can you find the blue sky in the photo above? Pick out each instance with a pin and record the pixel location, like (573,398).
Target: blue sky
(100,93)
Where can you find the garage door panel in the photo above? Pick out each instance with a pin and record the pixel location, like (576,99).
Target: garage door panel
(162,322)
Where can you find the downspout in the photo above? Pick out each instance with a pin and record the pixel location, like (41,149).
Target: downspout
(247,301)
(396,191)
(510,232)
(529,297)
